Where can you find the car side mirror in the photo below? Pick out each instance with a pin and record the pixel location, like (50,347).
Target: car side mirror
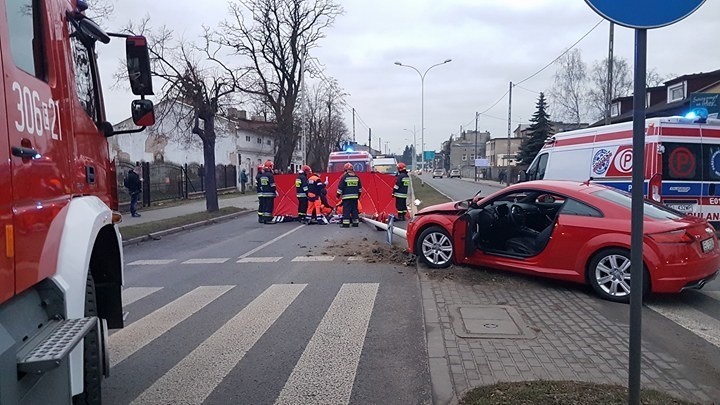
(524,176)
(138,64)
(143,113)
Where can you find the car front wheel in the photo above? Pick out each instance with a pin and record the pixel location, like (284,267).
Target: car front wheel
(609,275)
(435,248)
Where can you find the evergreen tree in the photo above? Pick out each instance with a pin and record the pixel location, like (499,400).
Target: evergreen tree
(407,155)
(539,131)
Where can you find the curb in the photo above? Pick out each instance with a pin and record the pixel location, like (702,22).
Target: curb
(160,234)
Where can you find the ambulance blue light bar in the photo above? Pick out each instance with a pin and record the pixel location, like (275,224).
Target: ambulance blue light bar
(698,114)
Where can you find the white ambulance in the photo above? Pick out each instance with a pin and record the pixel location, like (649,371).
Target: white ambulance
(682,161)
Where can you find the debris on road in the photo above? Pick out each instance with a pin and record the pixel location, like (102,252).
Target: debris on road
(373,252)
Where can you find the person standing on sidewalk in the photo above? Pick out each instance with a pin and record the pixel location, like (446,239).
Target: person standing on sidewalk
(266,194)
(243,181)
(134,186)
(349,190)
(400,191)
(301,190)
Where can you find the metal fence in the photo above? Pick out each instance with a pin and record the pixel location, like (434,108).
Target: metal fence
(164,181)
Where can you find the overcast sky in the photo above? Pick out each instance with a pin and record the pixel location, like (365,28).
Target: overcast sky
(490,43)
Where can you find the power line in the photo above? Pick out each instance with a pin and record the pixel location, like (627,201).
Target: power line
(561,55)
(526,89)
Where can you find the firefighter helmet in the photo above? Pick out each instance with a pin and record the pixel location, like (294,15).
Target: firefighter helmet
(401,166)
(269,165)
(306,169)
(348,166)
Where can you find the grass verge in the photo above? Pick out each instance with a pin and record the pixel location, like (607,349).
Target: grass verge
(426,194)
(560,392)
(133,231)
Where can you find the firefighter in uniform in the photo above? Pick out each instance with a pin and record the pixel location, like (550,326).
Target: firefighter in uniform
(301,190)
(349,189)
(266,193)
(257,189)
(400,190)
(316,191)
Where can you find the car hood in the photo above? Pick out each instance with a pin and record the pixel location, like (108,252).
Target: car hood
(448,207)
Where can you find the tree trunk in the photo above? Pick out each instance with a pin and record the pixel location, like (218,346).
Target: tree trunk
(285,148)
(211,196)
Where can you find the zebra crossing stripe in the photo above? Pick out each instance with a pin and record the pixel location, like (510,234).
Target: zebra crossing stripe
(207,261)
(326,370)
(153,262)
(135,336)
(259,260)
(132,294)
(695,321)
(193,379)
(313,259)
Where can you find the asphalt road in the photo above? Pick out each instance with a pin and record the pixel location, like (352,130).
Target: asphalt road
(458,189)
(686,324)
(286,325)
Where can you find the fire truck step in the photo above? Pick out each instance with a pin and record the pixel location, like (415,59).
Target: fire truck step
(46,350)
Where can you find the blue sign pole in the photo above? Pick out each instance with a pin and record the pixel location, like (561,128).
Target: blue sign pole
(641,15)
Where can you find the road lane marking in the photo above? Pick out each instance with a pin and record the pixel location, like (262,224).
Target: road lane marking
(135,336)
(259,260)
(326,370)
(313,259)
(151,262)
(270,242)
(697,322)
(220,260)
(712,294)
(132,294)
(356,259)
(194,378)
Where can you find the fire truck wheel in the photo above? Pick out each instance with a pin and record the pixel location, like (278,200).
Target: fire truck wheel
(92,389)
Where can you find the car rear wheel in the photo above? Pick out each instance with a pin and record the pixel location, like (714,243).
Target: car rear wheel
(435,248)
(609,275)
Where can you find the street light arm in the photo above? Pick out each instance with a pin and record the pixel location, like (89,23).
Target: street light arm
(435,65)
(410,67)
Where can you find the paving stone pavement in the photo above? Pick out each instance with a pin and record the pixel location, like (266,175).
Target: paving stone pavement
(573,342)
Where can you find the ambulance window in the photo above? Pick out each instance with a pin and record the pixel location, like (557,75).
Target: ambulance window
(682,161)
(85,85)
(542,165)
(26,42)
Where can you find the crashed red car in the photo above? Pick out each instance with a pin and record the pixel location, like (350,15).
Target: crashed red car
(570,231)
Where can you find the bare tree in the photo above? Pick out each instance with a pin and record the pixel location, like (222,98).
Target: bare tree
(655,79)
(324,126)
(276,36)
(622,85)
(568,91)
(196,87)
(101,10)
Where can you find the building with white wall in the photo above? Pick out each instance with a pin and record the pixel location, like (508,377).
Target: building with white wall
(240,141)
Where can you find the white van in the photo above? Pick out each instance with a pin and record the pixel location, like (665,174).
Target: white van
(682,161)
(385,165)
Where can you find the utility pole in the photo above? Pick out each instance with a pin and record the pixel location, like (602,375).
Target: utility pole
(507,157)
(609,95)
(476,134)
(369,140)
(380,145)
(353,124)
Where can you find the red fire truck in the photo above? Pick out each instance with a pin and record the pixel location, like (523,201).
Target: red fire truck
(61,269)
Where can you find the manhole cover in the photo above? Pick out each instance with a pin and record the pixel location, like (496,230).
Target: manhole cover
(489,321)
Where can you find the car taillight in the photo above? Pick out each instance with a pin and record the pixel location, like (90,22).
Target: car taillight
(654,187)
(681,236)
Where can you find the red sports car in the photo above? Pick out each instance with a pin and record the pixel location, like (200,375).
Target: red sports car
(570,231)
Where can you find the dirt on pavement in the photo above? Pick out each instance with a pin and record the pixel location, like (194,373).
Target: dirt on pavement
(370,251)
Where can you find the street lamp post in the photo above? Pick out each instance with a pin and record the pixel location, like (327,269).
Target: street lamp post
(422,104)
(414,150)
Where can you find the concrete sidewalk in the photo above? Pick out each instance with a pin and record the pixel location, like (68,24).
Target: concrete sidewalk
(248,202)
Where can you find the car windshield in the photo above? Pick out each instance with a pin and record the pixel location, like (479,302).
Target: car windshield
(652,210)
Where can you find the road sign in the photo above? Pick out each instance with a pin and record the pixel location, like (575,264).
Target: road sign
(645,13)
(481,163)
(429,155)
(708,101)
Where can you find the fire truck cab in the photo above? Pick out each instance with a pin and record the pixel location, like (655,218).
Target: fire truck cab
(61,264)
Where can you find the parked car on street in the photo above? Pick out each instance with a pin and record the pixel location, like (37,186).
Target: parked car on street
(578,232)
(438,173)
(454,173)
